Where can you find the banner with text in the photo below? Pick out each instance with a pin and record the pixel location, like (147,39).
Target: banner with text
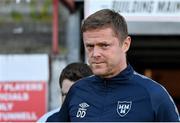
(138,10)
(22,101)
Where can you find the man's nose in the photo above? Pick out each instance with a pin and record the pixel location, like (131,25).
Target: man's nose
(96,51)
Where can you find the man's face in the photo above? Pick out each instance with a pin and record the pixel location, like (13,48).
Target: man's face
(105,53)
(66,85)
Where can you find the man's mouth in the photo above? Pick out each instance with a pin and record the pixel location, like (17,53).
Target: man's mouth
(97,63)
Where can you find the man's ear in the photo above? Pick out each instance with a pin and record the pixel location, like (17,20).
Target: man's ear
(126,44)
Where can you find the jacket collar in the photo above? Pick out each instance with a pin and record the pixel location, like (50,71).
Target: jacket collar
(122,76)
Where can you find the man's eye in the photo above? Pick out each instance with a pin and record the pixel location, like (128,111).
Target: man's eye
(89,46)
(105,45)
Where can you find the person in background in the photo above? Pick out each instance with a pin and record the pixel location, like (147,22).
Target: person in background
(116,92)
(69,75)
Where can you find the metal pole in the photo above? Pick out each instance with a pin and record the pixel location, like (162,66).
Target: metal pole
(55,27)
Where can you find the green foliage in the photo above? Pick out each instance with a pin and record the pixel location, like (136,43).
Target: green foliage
(44,14)
(7,1)
(16,16)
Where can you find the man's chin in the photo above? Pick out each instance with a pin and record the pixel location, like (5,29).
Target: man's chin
(99,73)
(98,67)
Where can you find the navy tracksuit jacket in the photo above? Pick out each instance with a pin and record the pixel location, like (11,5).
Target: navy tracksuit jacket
(128,96)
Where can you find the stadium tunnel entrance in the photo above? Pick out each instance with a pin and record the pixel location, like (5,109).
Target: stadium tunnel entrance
(158,57)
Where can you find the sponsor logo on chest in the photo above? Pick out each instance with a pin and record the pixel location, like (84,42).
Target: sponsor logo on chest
(123,107)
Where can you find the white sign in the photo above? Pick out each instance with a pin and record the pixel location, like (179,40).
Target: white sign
(138,10)
(34,67)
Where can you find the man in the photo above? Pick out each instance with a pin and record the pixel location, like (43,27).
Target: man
(116,92)
(69,75)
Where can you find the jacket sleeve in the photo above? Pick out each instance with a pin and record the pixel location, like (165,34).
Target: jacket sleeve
(167,110)
(63,114)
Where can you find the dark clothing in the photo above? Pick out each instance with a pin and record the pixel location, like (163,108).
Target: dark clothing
(128,96)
